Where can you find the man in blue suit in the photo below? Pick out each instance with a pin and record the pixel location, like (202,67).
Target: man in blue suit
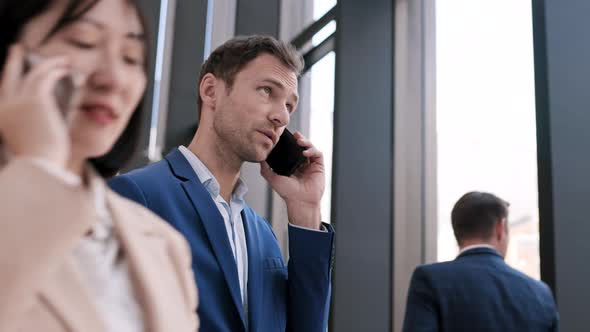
(478,291)
(247,92)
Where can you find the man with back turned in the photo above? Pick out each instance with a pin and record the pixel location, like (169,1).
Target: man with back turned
(478,291)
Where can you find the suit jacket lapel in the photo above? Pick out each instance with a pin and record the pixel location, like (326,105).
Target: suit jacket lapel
(66,294)
(254,269)
(212,222)
(146,254)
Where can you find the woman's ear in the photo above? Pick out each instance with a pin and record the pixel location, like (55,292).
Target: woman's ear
(207,89)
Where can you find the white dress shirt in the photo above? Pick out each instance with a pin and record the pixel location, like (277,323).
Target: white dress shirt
(474,246)
(232,217)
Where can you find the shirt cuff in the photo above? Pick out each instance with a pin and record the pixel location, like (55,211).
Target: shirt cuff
(57,171)
(321,230)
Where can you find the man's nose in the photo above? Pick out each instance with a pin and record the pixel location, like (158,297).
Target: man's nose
(280,116)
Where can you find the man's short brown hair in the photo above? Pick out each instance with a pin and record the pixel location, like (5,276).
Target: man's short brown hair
(228,59)
(475,214)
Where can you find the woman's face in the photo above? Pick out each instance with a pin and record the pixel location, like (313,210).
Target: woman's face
(106,47)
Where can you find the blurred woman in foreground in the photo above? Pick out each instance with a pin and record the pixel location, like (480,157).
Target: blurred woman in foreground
(74,256)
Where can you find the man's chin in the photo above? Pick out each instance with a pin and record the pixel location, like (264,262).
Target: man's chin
(256,156)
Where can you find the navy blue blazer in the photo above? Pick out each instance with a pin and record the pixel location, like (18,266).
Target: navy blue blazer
(280,298)
(478,292)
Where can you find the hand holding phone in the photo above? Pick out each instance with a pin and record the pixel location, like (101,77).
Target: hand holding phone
(65,88)
(287,156)
(31,122)
(303,191)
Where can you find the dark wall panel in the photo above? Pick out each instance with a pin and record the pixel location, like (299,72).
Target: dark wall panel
(363,167)
(187,57)
(562,74)
(258,16)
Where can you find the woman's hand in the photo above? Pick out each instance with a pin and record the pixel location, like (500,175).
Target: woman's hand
(31,124)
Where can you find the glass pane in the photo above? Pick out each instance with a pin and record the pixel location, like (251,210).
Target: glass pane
(320,7)
(486,117)
(322,102)
(322,120)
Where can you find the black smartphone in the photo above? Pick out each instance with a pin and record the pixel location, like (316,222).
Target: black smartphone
(287,156)
(64,89)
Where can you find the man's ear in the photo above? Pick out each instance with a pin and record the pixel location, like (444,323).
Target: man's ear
(501,228)
(207,90)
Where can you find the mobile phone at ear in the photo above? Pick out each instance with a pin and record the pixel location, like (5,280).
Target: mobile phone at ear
(64,89)
(287,156)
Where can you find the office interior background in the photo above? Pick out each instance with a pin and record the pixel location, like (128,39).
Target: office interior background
(413,102)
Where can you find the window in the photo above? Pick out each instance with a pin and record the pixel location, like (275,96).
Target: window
(486,118)
(322,102)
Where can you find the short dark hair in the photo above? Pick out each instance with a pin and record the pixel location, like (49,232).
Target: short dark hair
(15,14)
(475,214)
(231,57)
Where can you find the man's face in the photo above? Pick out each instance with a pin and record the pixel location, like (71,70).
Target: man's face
(250,117)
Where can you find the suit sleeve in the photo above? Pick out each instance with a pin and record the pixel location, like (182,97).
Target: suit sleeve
(553,308)
(309,283)
(421,308)
(126,187)
(42,219)
(555,326)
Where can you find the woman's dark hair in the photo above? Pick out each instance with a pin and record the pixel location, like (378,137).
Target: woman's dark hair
(15,14)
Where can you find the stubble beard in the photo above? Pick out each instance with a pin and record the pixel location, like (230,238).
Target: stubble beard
(237,143)
(249,151)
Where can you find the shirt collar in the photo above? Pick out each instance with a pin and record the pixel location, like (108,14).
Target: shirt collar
(475,246)
(207,178)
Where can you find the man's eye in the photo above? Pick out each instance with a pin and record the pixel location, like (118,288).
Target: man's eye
(266,90)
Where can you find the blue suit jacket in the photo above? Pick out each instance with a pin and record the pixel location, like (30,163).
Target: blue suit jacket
(478,292)
(279,298)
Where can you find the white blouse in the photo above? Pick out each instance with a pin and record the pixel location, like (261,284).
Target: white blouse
(102,263)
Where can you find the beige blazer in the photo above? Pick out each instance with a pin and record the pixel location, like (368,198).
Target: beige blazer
(42,220)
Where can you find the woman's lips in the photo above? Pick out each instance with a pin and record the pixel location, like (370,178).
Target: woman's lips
(100,113)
